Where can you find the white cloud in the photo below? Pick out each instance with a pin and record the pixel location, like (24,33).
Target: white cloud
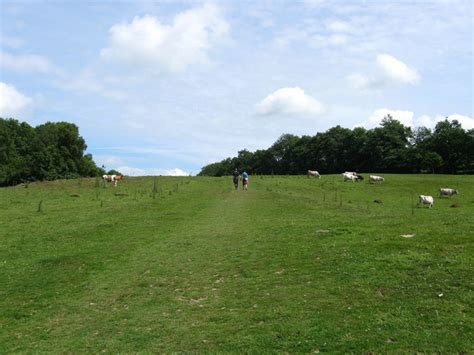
(12,102)
(393,71)
(408,119)
(27,63)
(289,101)
(397,70)
(466,121)
(425,121)
(146,41)
(130,171)
(177,172)
(405,117)
(430,122)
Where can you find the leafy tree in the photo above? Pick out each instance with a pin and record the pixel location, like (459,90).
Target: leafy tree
(452,143)
(431,161)
(114,172)
(283,153)
(243,162)
(391,147)
(15,162)
(49,151)
(263,162)
(387,146)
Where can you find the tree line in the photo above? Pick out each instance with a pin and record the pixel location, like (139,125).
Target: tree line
(389,148)
(50,151)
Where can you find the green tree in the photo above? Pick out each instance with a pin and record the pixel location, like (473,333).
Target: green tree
(387,148)
(49,151)
(452,143)
(15,157)
(392,147)
(283,153)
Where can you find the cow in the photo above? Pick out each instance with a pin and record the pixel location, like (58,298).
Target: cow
(112,178)
(107,178)
(314,173)
(375,178)
(447,192)
(117,179)
(346,176)
(425,200)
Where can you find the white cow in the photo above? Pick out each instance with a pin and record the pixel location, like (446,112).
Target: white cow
(314,173)
(447,192)
(375,178)
(347,176)
(112,178)
(425,200)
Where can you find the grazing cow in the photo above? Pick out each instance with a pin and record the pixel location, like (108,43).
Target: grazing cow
(447,192)
(375,178)
(117,179)
(314,173)
(351,177)
(425,200)
(112,178)
(107,178)
(350,172)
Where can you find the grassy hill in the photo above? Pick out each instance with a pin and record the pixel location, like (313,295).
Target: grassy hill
(188,264)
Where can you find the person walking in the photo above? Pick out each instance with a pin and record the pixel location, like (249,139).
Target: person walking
(245,180)
(235,178)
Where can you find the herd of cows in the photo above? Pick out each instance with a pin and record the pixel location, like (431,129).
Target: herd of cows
(422,199)
(346,176)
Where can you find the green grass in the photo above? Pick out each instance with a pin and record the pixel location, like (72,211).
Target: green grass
(292,265)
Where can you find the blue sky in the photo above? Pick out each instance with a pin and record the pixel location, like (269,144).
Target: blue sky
(166,87)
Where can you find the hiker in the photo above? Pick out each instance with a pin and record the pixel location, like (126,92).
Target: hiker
(235,177)
(245,180)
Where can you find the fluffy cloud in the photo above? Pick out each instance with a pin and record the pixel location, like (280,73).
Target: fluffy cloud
(291,101)
(130,171)
(12,102)
(405,117)
(466,121)
(27,63)
(146,41)
(408,119)
(397,70)
(392,71)
(430,122)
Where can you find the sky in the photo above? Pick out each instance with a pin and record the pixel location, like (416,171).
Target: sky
(166,87)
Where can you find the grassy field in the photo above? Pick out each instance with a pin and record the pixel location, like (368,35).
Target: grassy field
(188,264)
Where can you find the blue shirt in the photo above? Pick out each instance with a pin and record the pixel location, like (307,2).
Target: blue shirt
(245,175)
